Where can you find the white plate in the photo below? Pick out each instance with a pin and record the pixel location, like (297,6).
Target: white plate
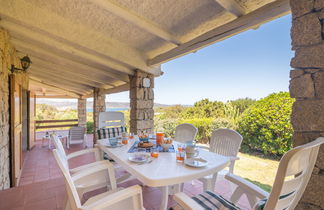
(139,158)
(196,162)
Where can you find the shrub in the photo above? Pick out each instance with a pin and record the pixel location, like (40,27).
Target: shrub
(265,125)
(205,127)
(89,127)
(223,123)
(167,126)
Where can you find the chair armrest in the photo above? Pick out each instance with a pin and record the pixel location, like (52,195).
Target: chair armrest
(246,186)
(116,197)
(233,158)
(82,152)
(186,202)
(100,167)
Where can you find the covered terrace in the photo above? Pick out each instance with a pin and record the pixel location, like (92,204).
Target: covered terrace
(91,48)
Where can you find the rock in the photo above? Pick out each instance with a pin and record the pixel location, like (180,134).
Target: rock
(296,73)
(302,87)
(309,57)
(314,192)
(306,30)
(301,7)
(319,84)
(308,115)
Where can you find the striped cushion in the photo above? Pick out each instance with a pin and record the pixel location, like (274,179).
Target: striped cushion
(209,200)
(104,133)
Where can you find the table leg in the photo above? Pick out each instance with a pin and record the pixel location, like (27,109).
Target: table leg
(49,143)
(165,197)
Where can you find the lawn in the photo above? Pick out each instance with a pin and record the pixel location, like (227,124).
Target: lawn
(260,171)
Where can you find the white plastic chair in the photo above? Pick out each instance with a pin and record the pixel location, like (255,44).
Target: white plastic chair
(77,135)
(294,171)
(91,178)
(225,142)
(115,198)
(97,154)
(111,119)
(185,132)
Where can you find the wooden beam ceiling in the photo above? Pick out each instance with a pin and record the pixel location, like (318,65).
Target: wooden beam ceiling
(66,32)
(137,20)
(232,6)
(40,83)
(243,23)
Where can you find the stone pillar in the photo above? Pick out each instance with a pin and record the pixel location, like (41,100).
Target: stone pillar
(82,112)
(99,105)
(307,87)
(141,103)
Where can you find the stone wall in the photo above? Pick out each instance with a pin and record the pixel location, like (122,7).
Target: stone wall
(307,86)
(99,105)
(82,112)
(8,57)
(141,103)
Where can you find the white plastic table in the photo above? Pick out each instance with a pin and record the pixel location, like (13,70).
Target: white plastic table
(164,171)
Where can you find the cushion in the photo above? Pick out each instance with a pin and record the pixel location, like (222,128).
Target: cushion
(104,133)
(209,200)
(261,203)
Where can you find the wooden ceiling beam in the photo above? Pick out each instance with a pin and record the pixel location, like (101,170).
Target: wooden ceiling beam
(46,42)
(232,6)
(61,60)
(68,78)
(137,20)
(40,83)
(251,20)
(80,89)
(78,34)
(121,88)
(60,69)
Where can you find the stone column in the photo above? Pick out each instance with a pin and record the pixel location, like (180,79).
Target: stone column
(307,87)
(99,105)
(141,103)
(82,112)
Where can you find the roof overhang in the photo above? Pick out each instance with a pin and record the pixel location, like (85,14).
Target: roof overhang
(76,45)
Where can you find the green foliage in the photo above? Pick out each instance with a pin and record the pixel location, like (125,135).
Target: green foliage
(204,109)
(204,125)
(242,103)
(265,125)
(232,114)
(170,112)
(90,127)
(167,126)
(45,112)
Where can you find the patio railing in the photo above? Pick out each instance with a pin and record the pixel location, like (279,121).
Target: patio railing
(45,124)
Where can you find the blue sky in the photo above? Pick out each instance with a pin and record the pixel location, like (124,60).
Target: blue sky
(252,64)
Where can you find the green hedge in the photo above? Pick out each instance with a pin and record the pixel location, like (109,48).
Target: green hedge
(265,126)
(90,127)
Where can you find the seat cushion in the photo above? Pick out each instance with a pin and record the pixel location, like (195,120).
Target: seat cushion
(209,200)
(104,133)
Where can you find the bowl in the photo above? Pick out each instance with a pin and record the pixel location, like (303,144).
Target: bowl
(113,142)
(166,147)
(146,139)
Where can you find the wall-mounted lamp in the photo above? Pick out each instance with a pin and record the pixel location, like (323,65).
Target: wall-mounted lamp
(25,63)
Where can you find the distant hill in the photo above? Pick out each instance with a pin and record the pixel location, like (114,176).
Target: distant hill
(73,104)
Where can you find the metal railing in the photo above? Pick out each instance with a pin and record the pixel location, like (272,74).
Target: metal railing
(45,124)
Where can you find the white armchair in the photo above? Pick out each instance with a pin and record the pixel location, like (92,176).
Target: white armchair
(294,171)
(115,198)
(225,142)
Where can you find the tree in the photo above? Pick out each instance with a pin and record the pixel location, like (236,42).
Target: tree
(265,125)
(242,103)
(45,112)
(205,109)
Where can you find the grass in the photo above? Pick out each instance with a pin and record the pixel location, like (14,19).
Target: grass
(260,171)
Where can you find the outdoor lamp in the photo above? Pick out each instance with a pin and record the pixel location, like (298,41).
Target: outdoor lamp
(25,63)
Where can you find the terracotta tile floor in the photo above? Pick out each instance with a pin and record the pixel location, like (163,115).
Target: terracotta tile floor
(42,186)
